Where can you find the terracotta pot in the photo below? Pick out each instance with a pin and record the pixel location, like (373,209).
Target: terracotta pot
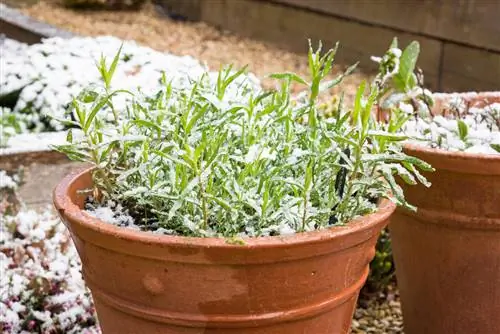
(447,255)
(147,283)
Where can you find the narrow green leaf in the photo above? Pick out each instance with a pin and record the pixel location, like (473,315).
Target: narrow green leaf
(95,109)
(417,174)
(173,159)
(387,135)
(112,68)
(69,136)
(288,76)
(398,157)
(394,43)
(328,59)
(496,147)
(463,129)
(403,173)
(311,60)
(195,118)
(226,205)
(357,102)
(397,191)
(367,112)
(408,62)
(148,124)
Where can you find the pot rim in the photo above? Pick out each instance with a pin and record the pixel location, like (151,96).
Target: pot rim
(440,153)
(66,207)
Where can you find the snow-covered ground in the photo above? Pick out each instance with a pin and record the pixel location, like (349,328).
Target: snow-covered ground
(33,142)
(41,286)
(39,81)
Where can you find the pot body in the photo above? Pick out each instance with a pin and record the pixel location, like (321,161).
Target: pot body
(447,254)
(147,283)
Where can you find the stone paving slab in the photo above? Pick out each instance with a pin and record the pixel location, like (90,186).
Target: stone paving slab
(40,179)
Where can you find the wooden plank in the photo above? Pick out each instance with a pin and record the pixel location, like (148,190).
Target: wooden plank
(290,28)
(189,9)
(474,22)
(15,25)
(466,69)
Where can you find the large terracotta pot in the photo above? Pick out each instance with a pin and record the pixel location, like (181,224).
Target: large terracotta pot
(147,283)
(447,254)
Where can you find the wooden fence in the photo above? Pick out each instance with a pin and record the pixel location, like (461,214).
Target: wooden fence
(460,39)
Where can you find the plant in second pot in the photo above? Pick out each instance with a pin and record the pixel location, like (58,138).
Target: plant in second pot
(447,254)
(204,214)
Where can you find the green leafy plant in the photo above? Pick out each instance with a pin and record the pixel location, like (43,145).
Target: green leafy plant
(460,110)
(11,123)
(199,162)
(454,126)
(463,130)
(382,268)
(403,84)
(402,81)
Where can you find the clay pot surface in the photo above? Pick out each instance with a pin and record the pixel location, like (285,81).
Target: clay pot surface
(447,254)
(147,283)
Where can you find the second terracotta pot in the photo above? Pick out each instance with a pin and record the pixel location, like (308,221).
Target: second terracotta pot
(447,254)
(152,284)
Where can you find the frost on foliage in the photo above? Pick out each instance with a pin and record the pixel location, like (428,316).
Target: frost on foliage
(41,286)
(43,78)
(218,159)
(457,127)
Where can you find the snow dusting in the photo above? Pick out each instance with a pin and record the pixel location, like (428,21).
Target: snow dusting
(35,142)
(38,82)
(7,182)
(465,127)
(41,286)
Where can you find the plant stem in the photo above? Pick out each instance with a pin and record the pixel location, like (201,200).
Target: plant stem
(203,201)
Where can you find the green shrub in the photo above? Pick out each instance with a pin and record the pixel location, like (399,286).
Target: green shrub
(405,85)
(382,266)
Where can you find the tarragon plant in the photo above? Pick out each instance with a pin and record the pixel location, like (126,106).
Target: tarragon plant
(458,126)
(195,162)
(402,83)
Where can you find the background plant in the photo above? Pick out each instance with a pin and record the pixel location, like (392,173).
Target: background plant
(196,162)
(11,123)
(462,125)
(404,96)
(458,125)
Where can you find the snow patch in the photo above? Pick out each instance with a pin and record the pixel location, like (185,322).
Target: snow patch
(41,286)
(476,130)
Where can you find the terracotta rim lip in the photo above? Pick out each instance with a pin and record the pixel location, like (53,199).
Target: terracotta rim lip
(442,153)
(470,94)
(73,213)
